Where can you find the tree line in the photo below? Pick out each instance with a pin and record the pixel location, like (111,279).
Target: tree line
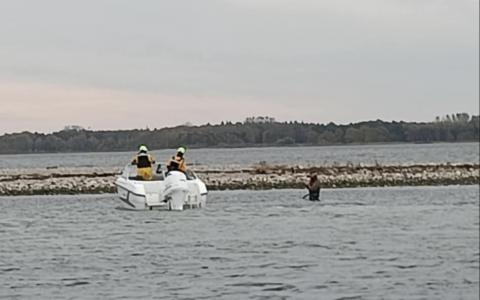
(452,128)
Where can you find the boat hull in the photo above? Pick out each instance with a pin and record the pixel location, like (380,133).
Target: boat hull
(173,192)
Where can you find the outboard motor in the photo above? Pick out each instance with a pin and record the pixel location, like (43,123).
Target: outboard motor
(176,190)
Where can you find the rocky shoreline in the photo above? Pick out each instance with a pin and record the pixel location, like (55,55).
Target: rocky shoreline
(95,180)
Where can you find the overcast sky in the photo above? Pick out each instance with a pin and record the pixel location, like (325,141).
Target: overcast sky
(113,64)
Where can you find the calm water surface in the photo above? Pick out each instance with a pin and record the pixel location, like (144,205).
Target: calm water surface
(385,243)
(367,154)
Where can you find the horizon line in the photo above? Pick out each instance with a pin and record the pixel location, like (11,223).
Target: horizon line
(75,127)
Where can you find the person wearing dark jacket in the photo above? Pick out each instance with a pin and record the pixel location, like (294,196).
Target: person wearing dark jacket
(313,188)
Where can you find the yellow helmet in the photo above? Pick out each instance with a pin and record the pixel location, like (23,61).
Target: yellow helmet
(143,148)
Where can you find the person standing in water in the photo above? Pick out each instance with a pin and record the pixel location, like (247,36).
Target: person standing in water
(144,161)
(313,188)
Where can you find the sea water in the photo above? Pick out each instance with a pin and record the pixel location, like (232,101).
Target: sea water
(364,243)
(326,155)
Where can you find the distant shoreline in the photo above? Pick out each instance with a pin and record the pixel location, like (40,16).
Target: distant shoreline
(267,133)
(96,180)
(132,151)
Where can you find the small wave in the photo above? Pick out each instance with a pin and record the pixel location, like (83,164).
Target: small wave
(8,225)
(220,259)
(320,287)
(305,266)
(333,282)
(235,275)
(9,270)
(385,259)
(124,208)
(284,245)
(266,265)
(350,297)
(256,284)
(405,266)
(280,288)
(352,258)
(203,244)
(77,283)
(309,245)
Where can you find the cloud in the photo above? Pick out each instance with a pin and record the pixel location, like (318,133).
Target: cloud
(220,60)
(45,107)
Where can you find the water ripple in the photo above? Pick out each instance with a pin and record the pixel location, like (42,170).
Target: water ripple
(246,244)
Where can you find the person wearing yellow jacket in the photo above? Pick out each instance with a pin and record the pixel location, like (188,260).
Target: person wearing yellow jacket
(177,162)
(144,161)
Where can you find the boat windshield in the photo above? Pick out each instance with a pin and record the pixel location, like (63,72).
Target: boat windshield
(130,171)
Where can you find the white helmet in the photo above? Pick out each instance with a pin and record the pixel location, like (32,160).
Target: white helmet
(143,148)
(181,150)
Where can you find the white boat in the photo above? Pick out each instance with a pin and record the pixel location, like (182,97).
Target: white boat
(173,190)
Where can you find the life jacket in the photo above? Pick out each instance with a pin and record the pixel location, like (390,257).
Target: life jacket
(177,163)
(143,160)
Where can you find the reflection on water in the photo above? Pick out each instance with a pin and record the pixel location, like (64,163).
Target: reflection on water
(367,154)
(392,243)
